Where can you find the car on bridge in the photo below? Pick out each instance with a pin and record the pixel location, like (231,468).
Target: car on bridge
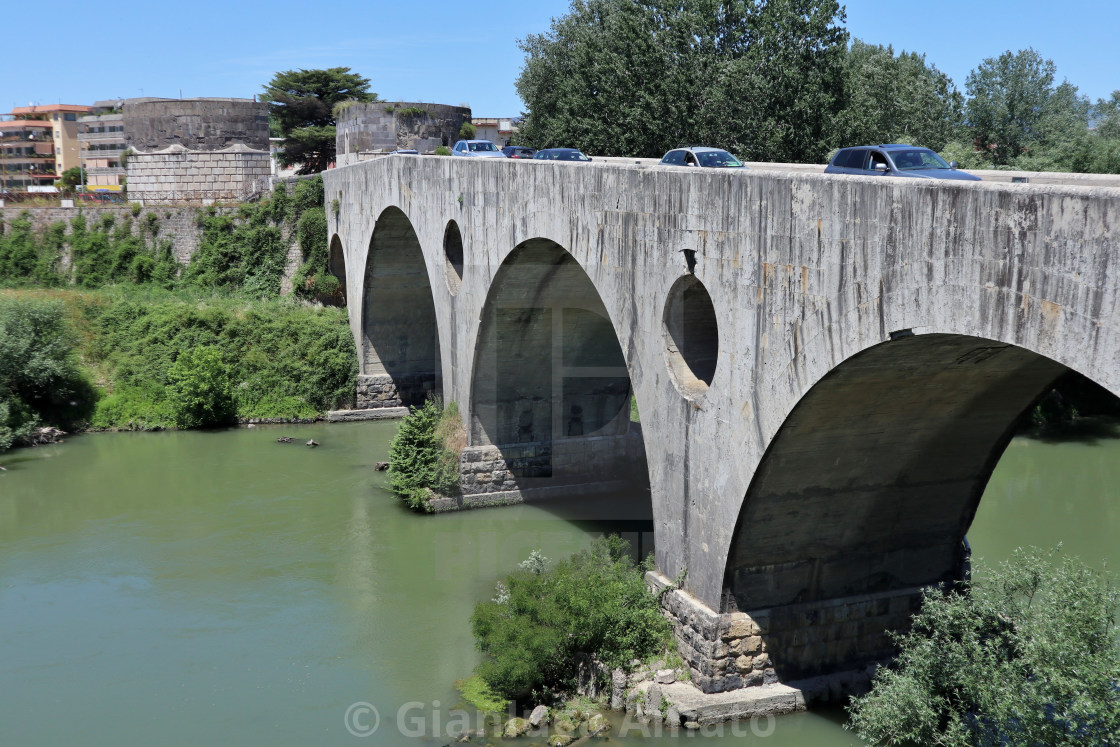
(518,151)
(701,155)
(560,154)
(896,160)
(477,149)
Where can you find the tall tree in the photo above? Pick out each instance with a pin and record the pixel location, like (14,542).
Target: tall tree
(892,99)
(1106,116)
(1014,107)
(302,102)
(638,77)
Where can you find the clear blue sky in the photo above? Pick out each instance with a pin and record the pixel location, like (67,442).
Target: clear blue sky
(454,52)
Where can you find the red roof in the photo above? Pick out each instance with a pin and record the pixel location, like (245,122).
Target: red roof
(50,109)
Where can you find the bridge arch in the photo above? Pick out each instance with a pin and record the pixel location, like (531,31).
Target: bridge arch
(336,266)
(872,481)
(399,349)
(551,390)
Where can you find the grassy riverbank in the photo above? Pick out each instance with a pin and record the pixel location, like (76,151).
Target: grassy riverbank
(105,329)
(275,358)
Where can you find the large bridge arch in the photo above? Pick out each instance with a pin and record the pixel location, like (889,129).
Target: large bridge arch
(399,353)
(550,390)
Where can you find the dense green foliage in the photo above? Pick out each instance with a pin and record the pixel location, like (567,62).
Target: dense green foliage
(543,621)
(281,360)
(187,346)
(1015,109)
(776,80)
(40,382)
(72,177)
(1025,655)
(423,456)
(619,77)
(892,98)
(303,103)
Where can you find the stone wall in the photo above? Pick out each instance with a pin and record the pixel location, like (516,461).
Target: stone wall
(203,124)
(790,643)
(383,390)
(177,174)
(179,223)
(387,125)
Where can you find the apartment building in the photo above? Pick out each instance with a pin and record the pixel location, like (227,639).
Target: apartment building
(101,135)
(38,143)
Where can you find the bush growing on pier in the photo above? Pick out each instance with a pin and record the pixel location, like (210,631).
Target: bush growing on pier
(543,622)
(424,455)
(1024,655)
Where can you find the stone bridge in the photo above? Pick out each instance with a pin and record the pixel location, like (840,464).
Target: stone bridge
(826,368)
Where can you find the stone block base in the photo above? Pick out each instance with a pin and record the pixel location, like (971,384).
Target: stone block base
(383,390)
(783,644)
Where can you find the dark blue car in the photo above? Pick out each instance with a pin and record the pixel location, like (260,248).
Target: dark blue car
(895,160)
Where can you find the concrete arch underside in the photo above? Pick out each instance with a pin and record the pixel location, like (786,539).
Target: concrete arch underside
(399,351)
(550,395)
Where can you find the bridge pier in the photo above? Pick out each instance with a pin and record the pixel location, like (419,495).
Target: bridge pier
(563,468)
(384,390)
(838,638)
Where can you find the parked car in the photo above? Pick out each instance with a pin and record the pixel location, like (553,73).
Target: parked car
(701,155)
(407,151)
(560,154)
(895,160)
(518,151)
(477,149)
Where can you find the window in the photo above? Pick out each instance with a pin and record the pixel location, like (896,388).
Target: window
(69,117)
(851,158)
(674,158)
(877,158)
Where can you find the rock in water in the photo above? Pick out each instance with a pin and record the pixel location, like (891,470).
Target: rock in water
(538,716)
(284,440)
(381,466)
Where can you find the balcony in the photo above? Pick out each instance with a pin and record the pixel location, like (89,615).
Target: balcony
(99,137)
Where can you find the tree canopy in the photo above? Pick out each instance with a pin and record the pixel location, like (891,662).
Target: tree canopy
(638,77)
(895,99)
(1026,655)
(775,80)
(301,105)
(1014,106)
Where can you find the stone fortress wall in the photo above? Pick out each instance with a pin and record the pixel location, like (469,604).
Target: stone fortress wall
(384,126)
(196,150)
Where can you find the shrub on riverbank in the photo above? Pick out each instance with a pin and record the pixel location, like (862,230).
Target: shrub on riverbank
(1026,654)
(424,455)
(40,382)
(542,622)
(283,360)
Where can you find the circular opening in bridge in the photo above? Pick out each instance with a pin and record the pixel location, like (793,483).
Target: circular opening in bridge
(691,336)
(453,253)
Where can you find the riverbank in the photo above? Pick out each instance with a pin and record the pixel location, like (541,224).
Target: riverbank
(273,359)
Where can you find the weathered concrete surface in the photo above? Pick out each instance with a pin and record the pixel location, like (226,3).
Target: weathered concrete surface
(377,413)
(713,708)
(807,275)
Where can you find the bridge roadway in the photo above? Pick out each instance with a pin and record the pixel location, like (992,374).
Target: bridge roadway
(827,368)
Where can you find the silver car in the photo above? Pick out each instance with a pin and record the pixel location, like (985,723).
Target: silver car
(477,149)
(895,160)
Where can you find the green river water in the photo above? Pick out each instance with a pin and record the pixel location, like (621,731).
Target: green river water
(221,588)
